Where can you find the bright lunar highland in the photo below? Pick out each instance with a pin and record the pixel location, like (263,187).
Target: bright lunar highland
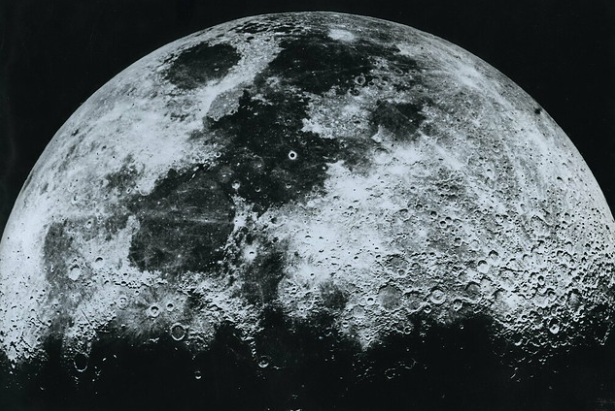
(286,211)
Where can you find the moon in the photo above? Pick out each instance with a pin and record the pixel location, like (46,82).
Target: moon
(286,211)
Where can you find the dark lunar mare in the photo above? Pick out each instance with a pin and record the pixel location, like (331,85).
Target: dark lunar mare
(183,223)
(200,64)
(316,63)
(267,157)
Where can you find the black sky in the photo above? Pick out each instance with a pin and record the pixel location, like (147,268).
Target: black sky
(55,54)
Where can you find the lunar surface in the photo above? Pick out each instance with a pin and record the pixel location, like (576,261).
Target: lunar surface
(311,211)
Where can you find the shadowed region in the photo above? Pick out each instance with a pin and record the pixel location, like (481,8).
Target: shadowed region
(202,63)
(308,365)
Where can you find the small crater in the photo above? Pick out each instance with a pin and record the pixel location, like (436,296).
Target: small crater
(153,311)
(414,301)
(554,327)
(263,362)
(494,257)
(98,263)
(122,302)
(404,214)
(389,297)
(437,296)
(390,373)
(473,292)
(178,332)
(74,273)
(396,264)
(482,266)
(80,361)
